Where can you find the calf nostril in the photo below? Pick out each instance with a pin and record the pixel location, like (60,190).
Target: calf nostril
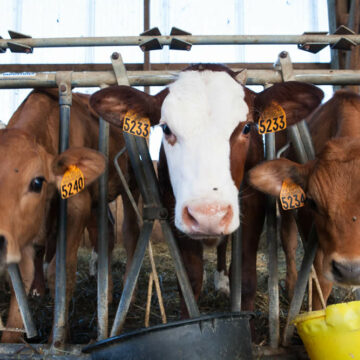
(189,218)
(3,243)
(337,270)
(226,219)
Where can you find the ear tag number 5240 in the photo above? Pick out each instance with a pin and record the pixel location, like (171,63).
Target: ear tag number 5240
(292,196)
(272,119)
(72,182)
(136,126)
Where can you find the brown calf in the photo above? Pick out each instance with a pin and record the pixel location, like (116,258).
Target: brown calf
(209,143)
(332,190)
(29,178)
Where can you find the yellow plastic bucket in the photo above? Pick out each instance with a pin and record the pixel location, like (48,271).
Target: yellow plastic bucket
(333,333)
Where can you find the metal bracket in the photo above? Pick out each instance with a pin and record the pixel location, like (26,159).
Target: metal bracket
(63,81)
(153,44)
(286,67)
(17,47)
(2,50)
(177,44)
(344,43)
(119,69)
(312,46)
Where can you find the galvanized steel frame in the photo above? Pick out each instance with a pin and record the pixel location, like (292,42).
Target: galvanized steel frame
(255,77)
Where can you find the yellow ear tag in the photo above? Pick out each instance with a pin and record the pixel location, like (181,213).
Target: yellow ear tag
(272,119)
(292,196)
(72,182)
(135,125)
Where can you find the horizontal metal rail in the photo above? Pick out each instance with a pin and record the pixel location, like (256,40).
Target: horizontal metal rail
(193,39)
(140,66)
(161,78)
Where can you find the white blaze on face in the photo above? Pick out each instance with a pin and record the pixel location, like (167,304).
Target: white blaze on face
(202,110)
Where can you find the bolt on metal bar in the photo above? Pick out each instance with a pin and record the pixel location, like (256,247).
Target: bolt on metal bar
(166,40)
(60,313)
(103,240)
(18,286)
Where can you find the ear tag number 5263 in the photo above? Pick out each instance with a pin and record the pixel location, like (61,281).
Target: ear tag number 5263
(292,196)
(135,125)
(272,119)
(72,182)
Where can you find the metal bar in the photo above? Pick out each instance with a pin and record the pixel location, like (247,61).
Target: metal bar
(298,145)
(60,312)
(300,286)
(236,266)
(138,67)
(103,240)
(183,279)
(306,139)
(166,40)
(160,78)
(271,235)
(13,270)
(132,277)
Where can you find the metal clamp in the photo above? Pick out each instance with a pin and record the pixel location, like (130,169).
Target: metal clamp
(344,43)
(17,47)
(313,47)
(177,44)
(63,81)
(153,44)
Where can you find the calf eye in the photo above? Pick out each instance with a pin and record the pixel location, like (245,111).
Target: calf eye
(311,203)
(36,184)
(246,129)
(166,129)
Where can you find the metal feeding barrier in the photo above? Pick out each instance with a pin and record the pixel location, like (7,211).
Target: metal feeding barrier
(146,178)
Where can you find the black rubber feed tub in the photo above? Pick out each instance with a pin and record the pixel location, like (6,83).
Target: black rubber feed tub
(212,337)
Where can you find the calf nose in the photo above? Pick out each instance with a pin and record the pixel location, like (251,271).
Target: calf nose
(208,219)
(346,272)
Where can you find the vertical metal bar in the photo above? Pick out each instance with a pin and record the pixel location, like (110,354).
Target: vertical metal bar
(13,270)
(132,277)
(147,27)
(271,235)
(181,273)
(60,313)
(236,265)
(300,286)
(306,139)
(103,240)
(298,145)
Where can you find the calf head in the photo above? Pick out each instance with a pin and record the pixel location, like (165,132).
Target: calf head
(331,183)
(29,176)
(208,120)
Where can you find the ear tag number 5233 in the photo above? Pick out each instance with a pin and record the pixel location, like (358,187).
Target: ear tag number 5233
(135,125)
(292,195)
(272,119)
(72,182)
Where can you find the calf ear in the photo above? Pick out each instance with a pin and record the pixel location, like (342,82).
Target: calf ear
(90,162)
(297,99)
(269,176)
(112,104)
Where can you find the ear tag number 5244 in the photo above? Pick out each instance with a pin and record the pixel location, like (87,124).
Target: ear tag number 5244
(136,126)
(272,119)
(72,182)
(292,196)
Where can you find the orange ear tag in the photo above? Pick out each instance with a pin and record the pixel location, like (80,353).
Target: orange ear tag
(292,196)
(72,182)
(136,126)
(272,119)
